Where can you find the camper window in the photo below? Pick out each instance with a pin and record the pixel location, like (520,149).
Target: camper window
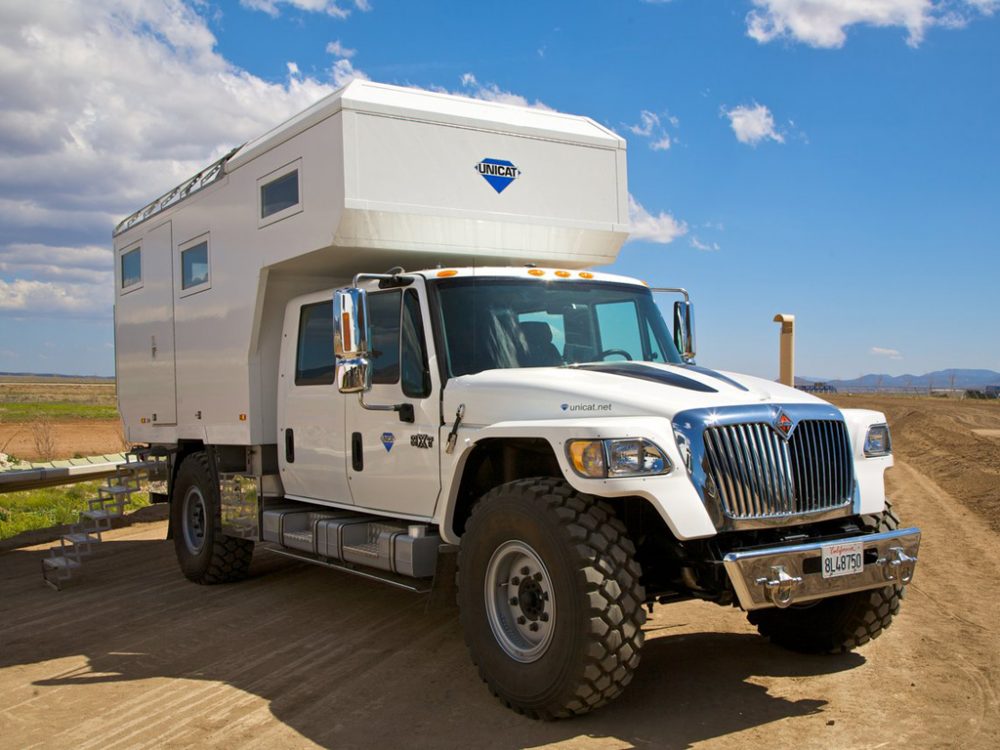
(194,265)
(280,194)
(132,268)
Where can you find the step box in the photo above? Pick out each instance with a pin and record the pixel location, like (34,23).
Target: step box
(371,541)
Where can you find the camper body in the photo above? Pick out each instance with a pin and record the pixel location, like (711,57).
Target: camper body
(368,340)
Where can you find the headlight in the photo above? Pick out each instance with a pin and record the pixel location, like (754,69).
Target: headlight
(877,441)
(618,457)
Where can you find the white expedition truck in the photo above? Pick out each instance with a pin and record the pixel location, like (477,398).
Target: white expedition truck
(541,421)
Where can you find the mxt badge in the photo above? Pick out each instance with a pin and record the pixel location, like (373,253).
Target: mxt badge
(420,440)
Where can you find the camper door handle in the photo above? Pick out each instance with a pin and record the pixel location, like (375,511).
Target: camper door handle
(289,445)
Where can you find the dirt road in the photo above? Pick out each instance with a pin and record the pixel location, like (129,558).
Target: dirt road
(302,657)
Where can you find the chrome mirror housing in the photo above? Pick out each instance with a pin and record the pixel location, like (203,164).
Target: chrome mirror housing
(350,327)
(684,328)
(354,375)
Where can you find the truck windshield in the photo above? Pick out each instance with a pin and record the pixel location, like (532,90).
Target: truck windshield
(494,323)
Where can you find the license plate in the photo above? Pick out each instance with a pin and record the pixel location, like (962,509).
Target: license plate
(843,559)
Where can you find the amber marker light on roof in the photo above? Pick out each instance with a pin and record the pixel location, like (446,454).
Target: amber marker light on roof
(449,272)
(536,272)
(562,274)
(586,275)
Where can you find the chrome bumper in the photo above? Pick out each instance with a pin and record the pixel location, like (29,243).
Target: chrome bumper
(777,577)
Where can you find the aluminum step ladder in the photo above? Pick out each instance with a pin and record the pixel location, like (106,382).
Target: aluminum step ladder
(65,561)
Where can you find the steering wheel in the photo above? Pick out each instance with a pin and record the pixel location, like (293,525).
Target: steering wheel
(620,352)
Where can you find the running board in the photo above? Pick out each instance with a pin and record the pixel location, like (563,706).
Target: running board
(409,584)
(386,549)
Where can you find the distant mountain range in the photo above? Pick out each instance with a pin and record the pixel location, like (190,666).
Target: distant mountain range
(952,378)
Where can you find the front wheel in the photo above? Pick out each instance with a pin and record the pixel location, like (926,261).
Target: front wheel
(550,598)
(205,554)
(840,623)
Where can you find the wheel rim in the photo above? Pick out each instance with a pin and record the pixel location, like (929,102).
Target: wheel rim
(520,604)
(193,520)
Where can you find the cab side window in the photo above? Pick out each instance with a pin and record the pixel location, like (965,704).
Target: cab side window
(416,374)
(383,318)
(314,360)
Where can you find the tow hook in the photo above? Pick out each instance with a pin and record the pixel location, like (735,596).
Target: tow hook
(897,565)
(779,588)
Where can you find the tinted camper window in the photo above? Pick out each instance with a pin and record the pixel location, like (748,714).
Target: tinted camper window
(279,194)
(194,265)
(131,268)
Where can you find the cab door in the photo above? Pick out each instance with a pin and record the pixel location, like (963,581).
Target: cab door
(393,465)
(311,444)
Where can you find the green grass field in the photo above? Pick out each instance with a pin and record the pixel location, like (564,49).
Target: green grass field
(53,506)
(54,411)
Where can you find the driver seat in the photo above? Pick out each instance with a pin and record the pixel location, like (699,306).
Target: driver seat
(541,351)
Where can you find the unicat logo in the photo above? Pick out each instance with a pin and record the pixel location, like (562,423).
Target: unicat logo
(585,407)
(498,172)
(387,440)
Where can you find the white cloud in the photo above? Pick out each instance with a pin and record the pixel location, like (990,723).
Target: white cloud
(26,295)
(50,279)
(661,228)
(652,126)
(492,93)
(329,7)
(339,50)
(824,23)
(647,122)
(880,351)
(753,124)
(107,104)
(704,246)
(343,72)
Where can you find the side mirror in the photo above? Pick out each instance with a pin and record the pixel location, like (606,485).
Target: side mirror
(350,340)
(350,329)
(684,329)
(354,376)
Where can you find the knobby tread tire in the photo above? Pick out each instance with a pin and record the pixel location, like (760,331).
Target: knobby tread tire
(229,558)
(839,624)
(606,575)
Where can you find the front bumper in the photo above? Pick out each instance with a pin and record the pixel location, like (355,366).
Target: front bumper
(781,576)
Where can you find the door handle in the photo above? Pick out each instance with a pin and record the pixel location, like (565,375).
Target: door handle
(357,452)
(289,445)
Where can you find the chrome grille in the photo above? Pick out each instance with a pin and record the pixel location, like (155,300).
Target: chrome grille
(758,473)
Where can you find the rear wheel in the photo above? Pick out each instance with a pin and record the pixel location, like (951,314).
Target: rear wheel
(205,554)
(550,598)
(840,623)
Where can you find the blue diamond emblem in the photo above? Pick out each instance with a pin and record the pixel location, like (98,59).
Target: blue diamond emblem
(498,172)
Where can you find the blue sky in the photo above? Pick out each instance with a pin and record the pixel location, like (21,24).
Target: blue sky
(836,160)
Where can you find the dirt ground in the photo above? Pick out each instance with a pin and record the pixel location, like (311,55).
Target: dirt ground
(82,437)
(298,656)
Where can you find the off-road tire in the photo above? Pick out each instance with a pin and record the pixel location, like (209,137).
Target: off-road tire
(222,559)
(598,616)
(838,624)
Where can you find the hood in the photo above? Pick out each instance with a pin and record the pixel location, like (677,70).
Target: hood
(607,389)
